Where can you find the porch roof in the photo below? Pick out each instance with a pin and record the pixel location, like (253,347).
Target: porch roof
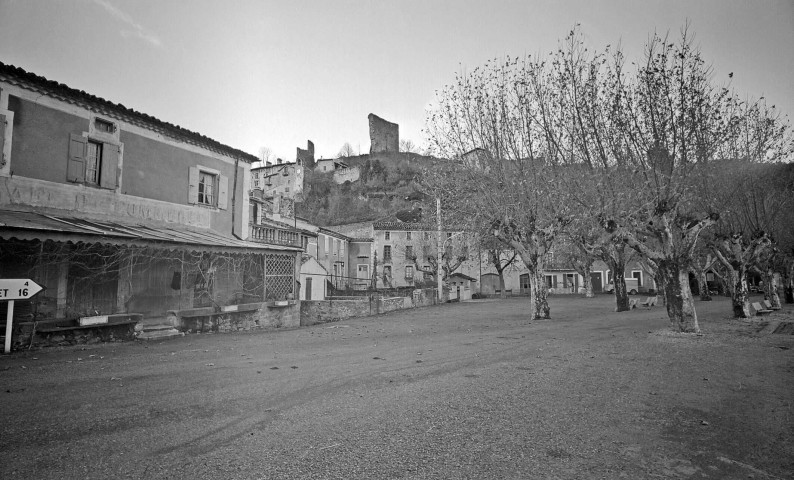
(23,225)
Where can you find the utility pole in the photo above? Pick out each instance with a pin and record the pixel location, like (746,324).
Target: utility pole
(438,249)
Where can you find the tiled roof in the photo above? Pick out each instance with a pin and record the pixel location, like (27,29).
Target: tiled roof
(33,225)
(28,80)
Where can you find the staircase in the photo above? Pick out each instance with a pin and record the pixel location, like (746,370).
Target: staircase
(155,329)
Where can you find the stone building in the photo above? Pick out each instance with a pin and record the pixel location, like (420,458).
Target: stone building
(384,136)
(116,213)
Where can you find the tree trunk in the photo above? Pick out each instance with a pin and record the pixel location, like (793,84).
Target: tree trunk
(621,295)
(703,286)
(679,301)
(502,293)
(538,296)
(770,287)
(739,295)
(588,284)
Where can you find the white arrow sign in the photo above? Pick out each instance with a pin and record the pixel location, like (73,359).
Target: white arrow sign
(18,288)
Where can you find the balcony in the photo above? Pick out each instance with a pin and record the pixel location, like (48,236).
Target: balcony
(273,235)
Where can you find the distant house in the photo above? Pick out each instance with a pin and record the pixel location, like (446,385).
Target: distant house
(313,278)
(284,179)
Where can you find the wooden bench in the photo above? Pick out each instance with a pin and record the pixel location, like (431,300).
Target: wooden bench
(649,302)
(769,306)
(760,310)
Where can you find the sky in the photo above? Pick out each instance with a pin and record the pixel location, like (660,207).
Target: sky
(261,73)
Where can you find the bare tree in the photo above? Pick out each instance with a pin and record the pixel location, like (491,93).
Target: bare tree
(346,151)
(266,155)
(424,256)
(408,146)
(510,193)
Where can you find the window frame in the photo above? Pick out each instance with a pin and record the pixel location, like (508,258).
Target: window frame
(214,187)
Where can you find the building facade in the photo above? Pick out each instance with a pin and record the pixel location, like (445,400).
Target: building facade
(114,211)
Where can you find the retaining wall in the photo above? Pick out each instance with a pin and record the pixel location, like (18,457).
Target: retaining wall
(335,309)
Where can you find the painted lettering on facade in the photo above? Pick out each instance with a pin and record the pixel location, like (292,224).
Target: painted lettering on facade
(20,191)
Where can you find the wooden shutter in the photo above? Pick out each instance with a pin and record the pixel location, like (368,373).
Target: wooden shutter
(223,191)
(108,171)
(2,138)
(192,189)
(75,169)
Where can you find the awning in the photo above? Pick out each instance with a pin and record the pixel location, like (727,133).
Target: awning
(39,226)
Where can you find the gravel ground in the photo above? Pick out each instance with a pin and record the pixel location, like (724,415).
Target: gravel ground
(472,390)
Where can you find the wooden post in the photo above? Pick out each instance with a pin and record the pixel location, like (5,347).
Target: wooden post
(9,325)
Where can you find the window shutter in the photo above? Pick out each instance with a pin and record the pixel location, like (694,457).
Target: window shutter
(223,191)
(75,169)
(110,165)
(555,280)
(2,138)
(192,188)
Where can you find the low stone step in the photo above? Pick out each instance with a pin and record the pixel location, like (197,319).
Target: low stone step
(153,334)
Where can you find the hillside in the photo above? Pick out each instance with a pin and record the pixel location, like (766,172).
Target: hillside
(388,184)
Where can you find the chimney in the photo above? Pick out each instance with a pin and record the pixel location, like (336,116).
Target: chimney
(279,161)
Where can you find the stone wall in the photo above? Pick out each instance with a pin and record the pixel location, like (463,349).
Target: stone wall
(247,317)
(333,310)
(351,174)
(384,136)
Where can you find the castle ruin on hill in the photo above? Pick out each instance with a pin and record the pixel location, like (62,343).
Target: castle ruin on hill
(384,136)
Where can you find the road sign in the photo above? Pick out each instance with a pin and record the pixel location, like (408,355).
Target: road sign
(18,288)
(15,289)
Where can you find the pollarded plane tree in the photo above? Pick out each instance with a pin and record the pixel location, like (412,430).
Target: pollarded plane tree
(674,121)
(578,91)
(496,180)
(500,258)
(755,195)
(777,262)
(423,254)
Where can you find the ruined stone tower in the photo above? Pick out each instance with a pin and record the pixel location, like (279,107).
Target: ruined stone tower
(306,157)
(384,136)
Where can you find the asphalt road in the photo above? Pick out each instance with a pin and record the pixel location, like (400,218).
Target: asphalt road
(471,390)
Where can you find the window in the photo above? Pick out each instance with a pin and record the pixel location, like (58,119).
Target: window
(638,275)
(409,252)
(104,126)
(206,189)
(427,274)
(286,189)
(387,235)
(427,235)
(386,253)
(409,272)
(327,244)
(551,281)
(336,247)
(92,162)
(387,273)
(408,235)
(341,248)
(256,183)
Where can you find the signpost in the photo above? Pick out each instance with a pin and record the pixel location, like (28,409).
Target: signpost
(12,289)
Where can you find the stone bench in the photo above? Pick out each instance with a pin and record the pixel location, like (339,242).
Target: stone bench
(118,327)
